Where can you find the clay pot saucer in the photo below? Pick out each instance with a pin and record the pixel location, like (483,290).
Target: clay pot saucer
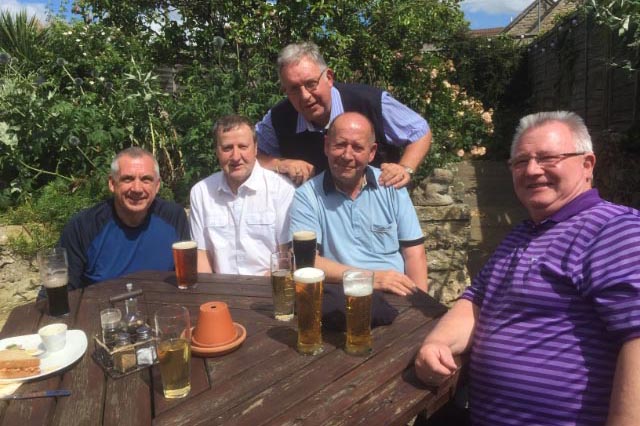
(220,349)
(199,344)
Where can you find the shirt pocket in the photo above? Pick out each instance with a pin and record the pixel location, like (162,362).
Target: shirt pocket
(384,238)
(218,231)
(261,226)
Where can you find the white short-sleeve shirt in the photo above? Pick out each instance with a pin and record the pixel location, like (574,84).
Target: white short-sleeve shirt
(240,232)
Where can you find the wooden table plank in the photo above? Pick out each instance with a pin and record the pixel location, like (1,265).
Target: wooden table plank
(85,402)
(127,400)
(265,381)
(300,403)
(232,383)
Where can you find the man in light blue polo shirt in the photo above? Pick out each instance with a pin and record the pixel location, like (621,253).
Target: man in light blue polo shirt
(359,222)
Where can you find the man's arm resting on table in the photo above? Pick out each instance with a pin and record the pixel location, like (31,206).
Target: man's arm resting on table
(204,264)
(451,336)
(396,174)
(391,281)
(624,409)
(415,265)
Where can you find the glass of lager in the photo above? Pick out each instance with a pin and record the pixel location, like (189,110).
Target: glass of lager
(55,277)
(304,249)
(358,290)
(308,283)
(185,256)
(282,285)
(173,329)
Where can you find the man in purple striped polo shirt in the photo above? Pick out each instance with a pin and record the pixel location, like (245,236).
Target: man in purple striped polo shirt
(553,318)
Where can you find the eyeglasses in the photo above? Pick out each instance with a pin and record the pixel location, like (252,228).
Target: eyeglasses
(309,85)
(544,161)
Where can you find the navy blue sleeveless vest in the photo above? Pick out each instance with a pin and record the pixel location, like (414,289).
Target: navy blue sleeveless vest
(309,146)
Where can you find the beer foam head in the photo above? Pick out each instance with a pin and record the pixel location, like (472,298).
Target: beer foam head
(56,279)
(184,245)
(304,235)
(308,275)
(357,289)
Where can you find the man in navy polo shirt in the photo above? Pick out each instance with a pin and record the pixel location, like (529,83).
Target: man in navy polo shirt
(358,222)
(553,319)
(291,134)
(130,232)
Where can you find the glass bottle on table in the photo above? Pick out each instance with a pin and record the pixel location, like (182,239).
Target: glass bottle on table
(133,319)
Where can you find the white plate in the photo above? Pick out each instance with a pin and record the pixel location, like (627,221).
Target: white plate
(50,362)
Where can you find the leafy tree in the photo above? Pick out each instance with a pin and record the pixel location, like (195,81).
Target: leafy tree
(92,86)
(623,18)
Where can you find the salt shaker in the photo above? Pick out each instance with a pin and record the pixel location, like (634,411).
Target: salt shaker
(145,347)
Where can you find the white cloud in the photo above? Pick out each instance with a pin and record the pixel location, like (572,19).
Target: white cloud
(15,6)
(495,7)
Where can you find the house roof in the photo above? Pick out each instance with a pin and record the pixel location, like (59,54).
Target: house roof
(486,32)
(539,17)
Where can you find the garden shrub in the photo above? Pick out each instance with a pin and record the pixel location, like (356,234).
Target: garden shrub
(93,89)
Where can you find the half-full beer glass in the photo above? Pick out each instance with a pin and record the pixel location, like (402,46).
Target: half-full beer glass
(309,283)
(185,256)
(55,277)
(173,329)
(358,290)
(304,248)
(282,285)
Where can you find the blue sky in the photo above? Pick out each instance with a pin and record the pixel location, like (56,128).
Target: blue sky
(480,13)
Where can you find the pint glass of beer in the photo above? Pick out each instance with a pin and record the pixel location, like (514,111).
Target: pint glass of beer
(282,285)
(185,256)
(173,329)
(55,277)
(308,283)
(304,249)
(358,290)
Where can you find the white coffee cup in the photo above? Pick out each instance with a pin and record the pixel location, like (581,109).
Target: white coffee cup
(54,336)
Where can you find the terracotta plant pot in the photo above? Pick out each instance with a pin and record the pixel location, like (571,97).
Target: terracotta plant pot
(215,327)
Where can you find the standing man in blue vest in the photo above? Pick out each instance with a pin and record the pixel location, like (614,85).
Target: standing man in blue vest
(291,134)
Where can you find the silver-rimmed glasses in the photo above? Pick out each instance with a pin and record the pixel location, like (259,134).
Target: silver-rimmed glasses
(543,160)
(309,85)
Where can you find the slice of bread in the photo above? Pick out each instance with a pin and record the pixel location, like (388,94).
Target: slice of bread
(18,373)
(16,363)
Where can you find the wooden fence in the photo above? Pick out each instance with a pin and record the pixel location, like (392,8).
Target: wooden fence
(570,67)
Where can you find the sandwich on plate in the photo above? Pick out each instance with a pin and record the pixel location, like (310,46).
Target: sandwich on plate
(18,363)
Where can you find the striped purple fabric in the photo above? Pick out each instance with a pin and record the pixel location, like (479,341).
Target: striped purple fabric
(557,300)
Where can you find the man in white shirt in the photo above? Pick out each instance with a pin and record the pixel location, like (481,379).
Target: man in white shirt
(240,215)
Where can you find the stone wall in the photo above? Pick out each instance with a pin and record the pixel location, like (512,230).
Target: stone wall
(19,281)
(446,222)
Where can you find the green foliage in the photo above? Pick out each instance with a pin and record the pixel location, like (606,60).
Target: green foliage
(623,18)
(93,88)
(44,216)
(91,94)
(493,71)
(21,36)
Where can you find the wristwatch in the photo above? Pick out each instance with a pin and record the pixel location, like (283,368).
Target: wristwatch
(409,170)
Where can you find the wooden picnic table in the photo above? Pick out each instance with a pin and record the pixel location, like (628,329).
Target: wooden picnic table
(265,382)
